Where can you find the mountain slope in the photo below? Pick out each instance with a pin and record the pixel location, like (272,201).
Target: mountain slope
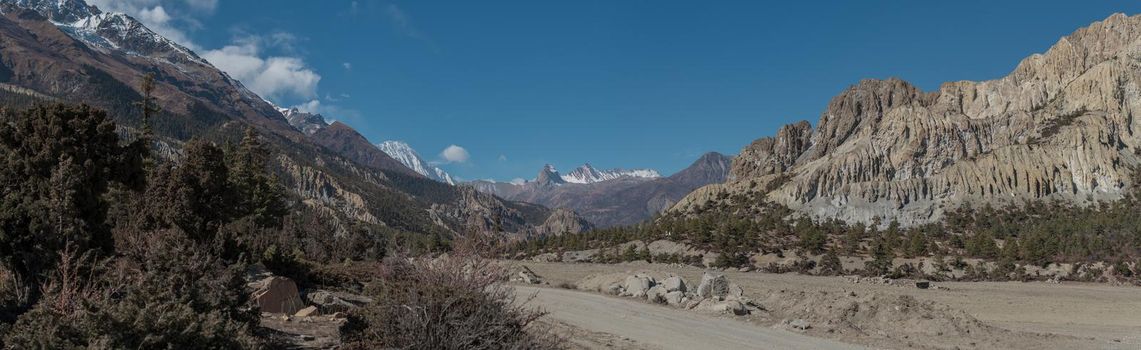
(65,50)
(404,153)
(1061,126)
(622,200)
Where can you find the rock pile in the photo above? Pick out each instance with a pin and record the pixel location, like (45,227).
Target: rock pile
(715,293)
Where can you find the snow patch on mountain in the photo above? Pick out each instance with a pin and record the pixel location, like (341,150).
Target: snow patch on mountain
(305,122)
(404,153)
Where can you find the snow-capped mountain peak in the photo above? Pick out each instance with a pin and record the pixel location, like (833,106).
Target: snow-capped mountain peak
(404,153)
(587,174)
(305,122)
(110,31)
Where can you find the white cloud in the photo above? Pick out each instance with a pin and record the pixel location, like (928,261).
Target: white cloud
(347,65)
(273,77)
(502,158)
(455,154)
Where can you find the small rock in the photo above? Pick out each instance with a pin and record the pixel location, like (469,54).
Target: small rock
(800,324)
(746,269)
(922,284)
(528,276)
(731,306)
(306,312)
(306,337)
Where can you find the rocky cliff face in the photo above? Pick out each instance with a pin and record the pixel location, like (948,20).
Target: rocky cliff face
(1060,126)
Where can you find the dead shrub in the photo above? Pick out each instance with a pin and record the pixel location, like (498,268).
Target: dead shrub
(457,302)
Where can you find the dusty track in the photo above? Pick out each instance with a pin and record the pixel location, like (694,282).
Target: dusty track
(1039,315)
(658,327)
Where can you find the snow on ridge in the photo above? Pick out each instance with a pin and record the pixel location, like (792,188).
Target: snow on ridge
(587,174)
(404,153)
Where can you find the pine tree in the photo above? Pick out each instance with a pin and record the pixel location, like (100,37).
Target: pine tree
(260,194)
(57,164)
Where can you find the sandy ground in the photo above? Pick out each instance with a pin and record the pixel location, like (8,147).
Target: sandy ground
(1023,315)
(643,325)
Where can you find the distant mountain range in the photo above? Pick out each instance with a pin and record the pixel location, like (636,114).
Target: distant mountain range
(615,197)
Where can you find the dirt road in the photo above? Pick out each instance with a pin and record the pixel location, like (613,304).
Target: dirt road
(657,327)
(1027,315)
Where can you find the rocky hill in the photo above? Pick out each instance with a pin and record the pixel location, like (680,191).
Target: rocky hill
(1061,126)
(67,50)
(621,200)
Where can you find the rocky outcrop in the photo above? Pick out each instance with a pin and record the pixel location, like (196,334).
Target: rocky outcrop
(1060,126)
(562,221)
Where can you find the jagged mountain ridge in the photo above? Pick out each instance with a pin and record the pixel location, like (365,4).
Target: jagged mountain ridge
(587,174)
(620,201)
(305,122)
(44,54)
(1061,126)
(404,153)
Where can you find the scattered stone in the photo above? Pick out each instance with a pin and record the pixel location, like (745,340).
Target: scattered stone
(306,312)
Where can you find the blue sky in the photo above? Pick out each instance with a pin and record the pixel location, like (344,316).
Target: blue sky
(518,84)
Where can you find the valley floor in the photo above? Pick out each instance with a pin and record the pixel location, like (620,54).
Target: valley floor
(1023,315)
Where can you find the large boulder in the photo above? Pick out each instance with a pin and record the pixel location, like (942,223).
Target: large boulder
(277,295)
(674,284)
(638,285)
(656,294)
(713,286)
(674,298)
